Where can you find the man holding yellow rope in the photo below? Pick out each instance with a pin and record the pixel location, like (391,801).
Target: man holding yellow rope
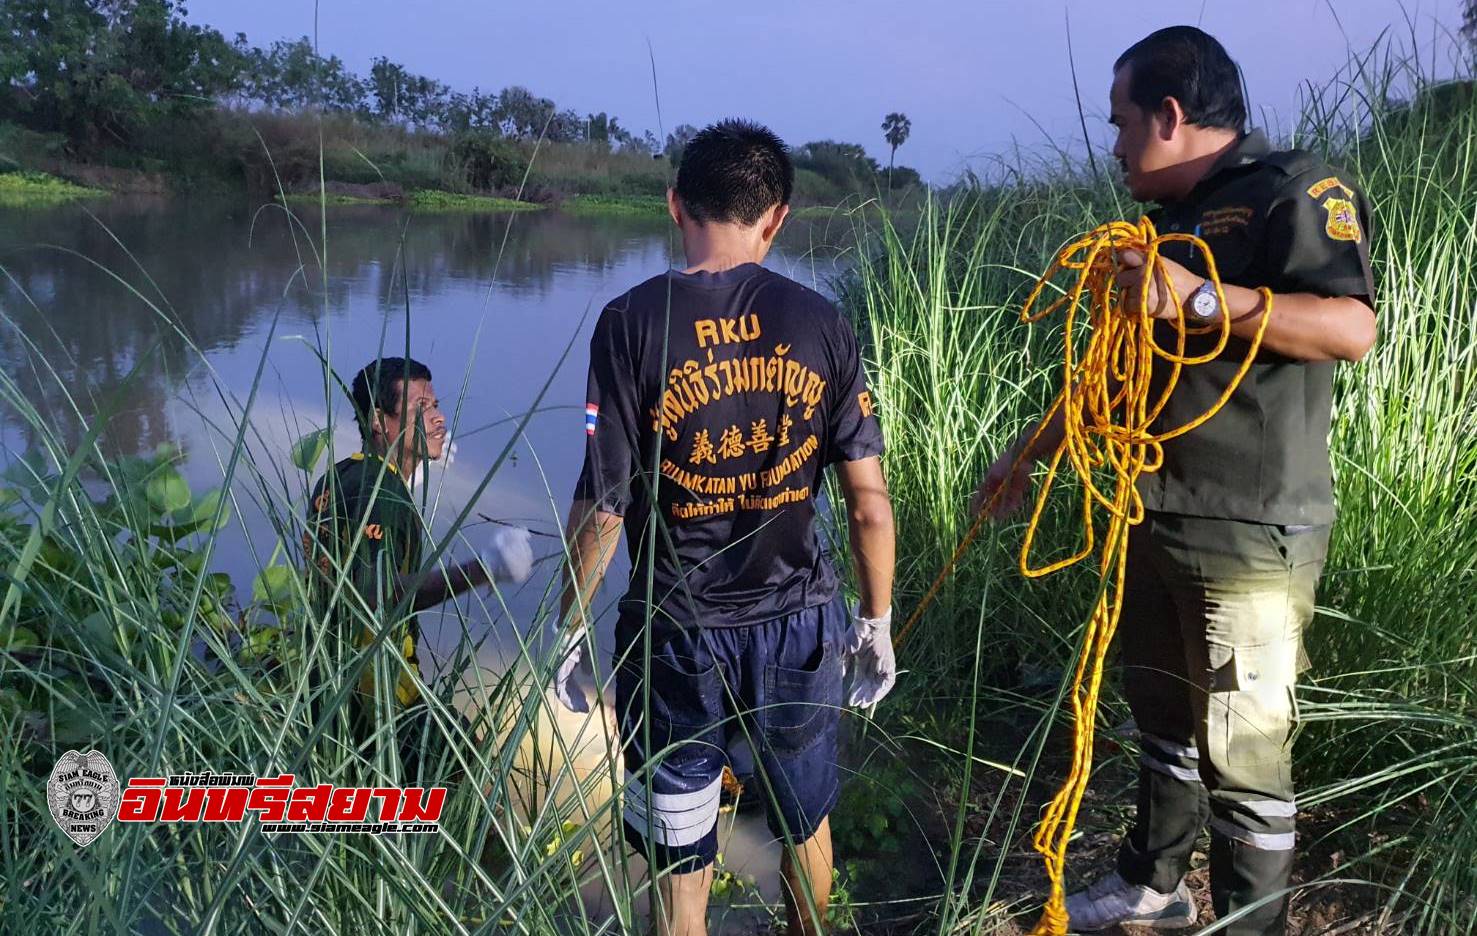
(1221,573)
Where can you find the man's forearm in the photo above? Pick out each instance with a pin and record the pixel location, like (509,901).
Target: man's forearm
(593,537)
(875,554)
(873,550)
(1304,326)
(436,588)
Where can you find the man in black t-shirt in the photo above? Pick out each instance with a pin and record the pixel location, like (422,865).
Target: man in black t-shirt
(1222,571)
(717,397)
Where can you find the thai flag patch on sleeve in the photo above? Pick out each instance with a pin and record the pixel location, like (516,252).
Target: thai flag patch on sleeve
(591,413)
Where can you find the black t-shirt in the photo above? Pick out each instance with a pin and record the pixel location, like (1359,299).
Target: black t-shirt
(363,498)
(1286,221)
(726,394)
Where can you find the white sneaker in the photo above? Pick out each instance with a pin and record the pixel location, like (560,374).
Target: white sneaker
(1110,900)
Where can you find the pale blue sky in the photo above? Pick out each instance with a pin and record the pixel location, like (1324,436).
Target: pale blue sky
(975,77)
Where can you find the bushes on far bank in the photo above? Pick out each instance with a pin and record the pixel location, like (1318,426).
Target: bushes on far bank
(265,152)
(22,188)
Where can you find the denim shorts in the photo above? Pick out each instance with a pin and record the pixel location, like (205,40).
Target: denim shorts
(778,683)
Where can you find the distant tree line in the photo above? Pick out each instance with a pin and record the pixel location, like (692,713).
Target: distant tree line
(89,67)
(103,71)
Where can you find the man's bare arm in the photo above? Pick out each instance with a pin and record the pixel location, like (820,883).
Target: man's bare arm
(869,521)
(1304,326)
(435,588)
(593,536)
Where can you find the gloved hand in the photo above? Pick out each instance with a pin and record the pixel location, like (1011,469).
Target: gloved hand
(568,678)
(508,555)
(871,668)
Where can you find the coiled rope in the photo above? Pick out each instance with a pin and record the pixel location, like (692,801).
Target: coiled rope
(1105,399)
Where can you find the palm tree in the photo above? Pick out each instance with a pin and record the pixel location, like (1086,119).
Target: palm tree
(896,126)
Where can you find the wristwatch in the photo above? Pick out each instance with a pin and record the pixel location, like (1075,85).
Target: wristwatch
(1204,306)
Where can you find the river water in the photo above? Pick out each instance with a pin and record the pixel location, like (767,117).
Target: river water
(165,313)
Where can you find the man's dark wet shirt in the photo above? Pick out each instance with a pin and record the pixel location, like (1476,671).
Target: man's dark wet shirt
(726,394)
(364,498)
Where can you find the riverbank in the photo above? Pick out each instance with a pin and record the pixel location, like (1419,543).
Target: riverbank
(23,188)
(355,162)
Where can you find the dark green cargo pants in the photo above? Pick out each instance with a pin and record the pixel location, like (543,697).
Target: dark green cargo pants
(1211,641)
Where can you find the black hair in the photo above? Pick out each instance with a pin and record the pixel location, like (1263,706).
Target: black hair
(378,386)
(733,172)
(1191,66)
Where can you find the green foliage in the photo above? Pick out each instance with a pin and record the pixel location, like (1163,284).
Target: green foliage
(452,201)
(400,95)
(829,172)
(677,141)
(19,189)
(895,128)
(308,451)
(95,67)
(871,815)
(275,587)
(155,93)
(484,162)
(292,75)
(646,206)
(148,535)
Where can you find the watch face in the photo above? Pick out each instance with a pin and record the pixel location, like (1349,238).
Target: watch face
(1204,304)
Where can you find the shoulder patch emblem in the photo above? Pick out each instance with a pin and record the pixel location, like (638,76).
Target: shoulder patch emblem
(864,403)
(1343,220)
(1317,189)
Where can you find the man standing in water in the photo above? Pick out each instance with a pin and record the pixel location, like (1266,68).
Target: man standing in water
(364,525)
(717,396)
(1222,572)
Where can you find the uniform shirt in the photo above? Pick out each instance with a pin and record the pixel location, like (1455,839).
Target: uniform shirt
(727,394)
(364,494)
(1286,221)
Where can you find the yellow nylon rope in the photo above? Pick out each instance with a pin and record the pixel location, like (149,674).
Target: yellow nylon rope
(1107,406)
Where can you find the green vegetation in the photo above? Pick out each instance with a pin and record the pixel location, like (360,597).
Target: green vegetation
(332,198)
(163,95)
(652,206)
(430,200)
(21,189)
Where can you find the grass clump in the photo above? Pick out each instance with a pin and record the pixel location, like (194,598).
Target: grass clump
(333,198)
(25,188)
(431,200)
(636,206)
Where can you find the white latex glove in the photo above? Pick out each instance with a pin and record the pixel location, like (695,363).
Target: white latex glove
(508,555)
(568,682)
(870,666)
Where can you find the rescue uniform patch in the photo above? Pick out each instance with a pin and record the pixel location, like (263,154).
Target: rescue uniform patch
(1343,220)
(1317,189)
